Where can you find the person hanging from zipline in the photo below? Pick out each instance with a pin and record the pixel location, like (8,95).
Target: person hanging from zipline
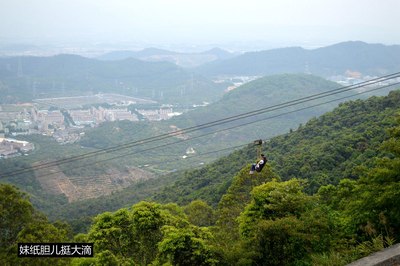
(262,161)
(259,165)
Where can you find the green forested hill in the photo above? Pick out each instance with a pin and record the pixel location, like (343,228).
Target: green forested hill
(369,59)
(338,144)
(26,78)
(261,93)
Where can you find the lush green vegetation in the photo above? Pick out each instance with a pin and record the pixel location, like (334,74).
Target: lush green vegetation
(329,195)
(261,93)
(21,223)
(259,221)
(339,144)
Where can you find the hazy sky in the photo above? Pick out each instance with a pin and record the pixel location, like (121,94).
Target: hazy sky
(308,22)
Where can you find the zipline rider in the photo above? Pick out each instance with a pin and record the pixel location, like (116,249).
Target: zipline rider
(260,165)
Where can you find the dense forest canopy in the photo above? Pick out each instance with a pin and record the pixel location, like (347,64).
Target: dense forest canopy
(276,223)
(322,151)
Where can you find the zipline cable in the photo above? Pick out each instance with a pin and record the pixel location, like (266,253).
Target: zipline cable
(213,123)
(225,129)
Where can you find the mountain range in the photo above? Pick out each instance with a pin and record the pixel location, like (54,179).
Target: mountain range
(368,59)
(27,78)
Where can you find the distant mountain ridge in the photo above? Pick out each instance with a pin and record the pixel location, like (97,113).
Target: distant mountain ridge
(25,78)
(220,53)
(369,59)
(125,54)
(180,59)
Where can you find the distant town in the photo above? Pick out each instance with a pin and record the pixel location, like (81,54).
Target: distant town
(65,118)
(11,147)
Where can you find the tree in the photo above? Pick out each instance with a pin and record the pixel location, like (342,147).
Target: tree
(200,213)
(282,225)
(39,230)
(277,242)
(273,200)
(147,221)
(186,246)
(113,232)
(15,213)
(20,223)
(376,198)
(231,205)
(128,236)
